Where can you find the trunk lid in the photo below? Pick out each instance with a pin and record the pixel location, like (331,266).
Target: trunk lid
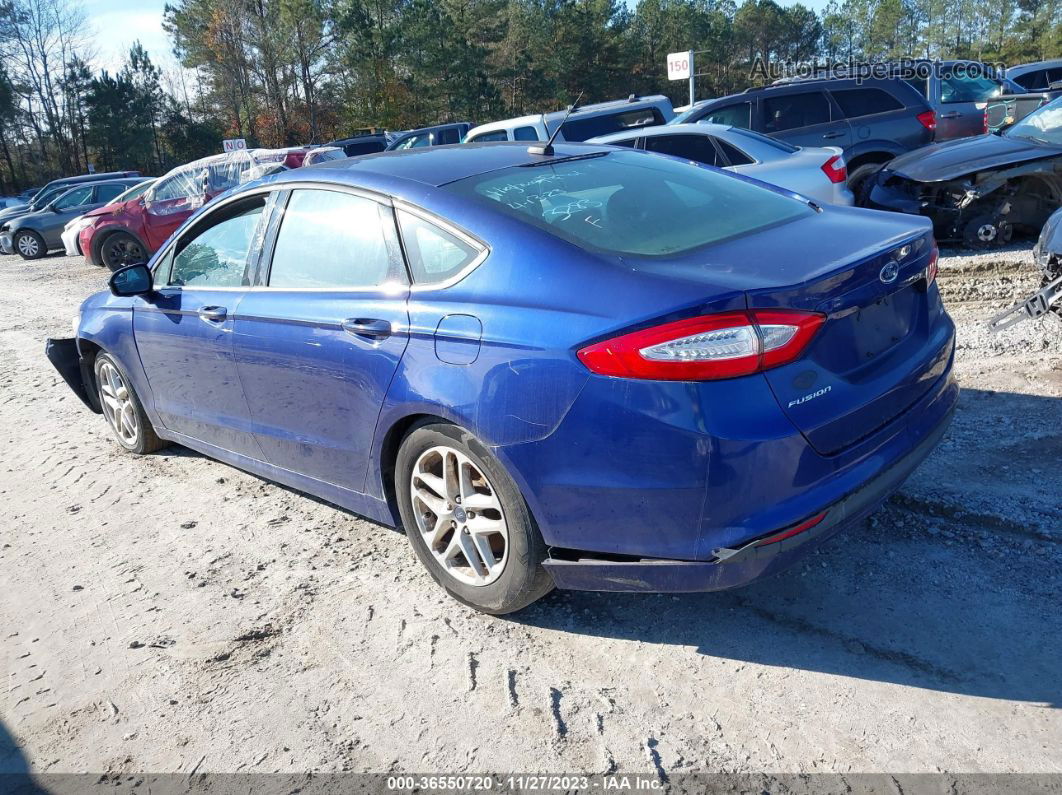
(883,345)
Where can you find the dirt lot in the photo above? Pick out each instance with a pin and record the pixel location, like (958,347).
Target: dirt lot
(170,613)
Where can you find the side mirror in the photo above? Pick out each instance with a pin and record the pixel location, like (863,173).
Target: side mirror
(131,280)
(52,207)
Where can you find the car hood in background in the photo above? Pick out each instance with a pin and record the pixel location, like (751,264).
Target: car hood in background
(951,159)
(13,212)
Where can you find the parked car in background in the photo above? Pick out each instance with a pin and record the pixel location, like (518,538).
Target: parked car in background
(596,369)
(1038,76)
(1047,256)
(980,190)
(438,135)
(320,154)
(33,235)
(872,121)
(583,123)
(72,230)
(53,189)
(816,172)
(135,229)
(362,144)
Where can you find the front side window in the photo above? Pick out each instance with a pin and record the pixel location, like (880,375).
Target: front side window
(415,141)
(1032,81)
(219,255)
(631,202)
(525,134)
(434,254)
(793,111)
(332,239)
(961,86)
(75,198)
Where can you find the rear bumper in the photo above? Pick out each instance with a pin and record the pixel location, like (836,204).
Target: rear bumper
(66,359)
(758,558)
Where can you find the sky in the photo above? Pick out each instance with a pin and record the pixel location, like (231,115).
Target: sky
(116,24)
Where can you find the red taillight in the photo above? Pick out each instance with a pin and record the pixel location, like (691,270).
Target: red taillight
(704,348)
(932,267)
(928,119)
(835,169)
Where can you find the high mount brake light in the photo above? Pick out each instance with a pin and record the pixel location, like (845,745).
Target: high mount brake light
(928,119)
(705,348)
(835,169)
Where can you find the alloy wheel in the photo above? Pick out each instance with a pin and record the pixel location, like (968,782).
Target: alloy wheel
(118,405)
(123,251)
(459,516)
(28,246)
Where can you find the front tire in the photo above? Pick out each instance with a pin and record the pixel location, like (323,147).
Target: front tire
(122,408)
(120,249)
(859,182)
(467,522)
(29,244)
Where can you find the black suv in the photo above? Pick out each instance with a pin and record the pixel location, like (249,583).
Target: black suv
(873,120)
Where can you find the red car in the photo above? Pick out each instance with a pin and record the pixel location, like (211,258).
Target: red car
(134,230)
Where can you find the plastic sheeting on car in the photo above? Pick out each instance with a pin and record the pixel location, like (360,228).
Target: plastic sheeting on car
(192,185)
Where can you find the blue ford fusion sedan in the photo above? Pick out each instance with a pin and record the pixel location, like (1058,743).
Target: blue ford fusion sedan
(593,368)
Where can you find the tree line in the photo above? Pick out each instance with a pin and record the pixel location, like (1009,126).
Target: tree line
(285,72)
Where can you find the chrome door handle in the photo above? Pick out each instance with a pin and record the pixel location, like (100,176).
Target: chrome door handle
(950,115)
(214,314)
(362,327)
(837,134)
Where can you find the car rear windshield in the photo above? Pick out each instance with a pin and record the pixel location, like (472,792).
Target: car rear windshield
(632,202)
(781,146)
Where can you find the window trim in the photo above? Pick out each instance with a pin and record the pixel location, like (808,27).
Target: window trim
(448,227)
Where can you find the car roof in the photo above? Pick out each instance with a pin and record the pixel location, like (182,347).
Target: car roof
(430,166)
(90,178)
(583,111)
(697,128)
(1022,68)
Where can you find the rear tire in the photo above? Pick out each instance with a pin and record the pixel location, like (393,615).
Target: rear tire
(122,408)
(859,181)
(120,249)
(444,477)
(28,244)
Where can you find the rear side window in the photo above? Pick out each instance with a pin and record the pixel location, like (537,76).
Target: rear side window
(919,84)
(364,148)
(734,155)
(856,102)
(494,135)
(219,255)
(1032,80)
(104,193)
(525,134)
(576,130)
(739,115)
(793,111)
(698,148)
(627,202)
(333,239)
(433,253)
(449,135)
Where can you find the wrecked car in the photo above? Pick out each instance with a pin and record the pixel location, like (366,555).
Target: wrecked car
(1047,254)
(980,191)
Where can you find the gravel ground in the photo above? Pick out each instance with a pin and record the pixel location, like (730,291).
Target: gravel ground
(172,614)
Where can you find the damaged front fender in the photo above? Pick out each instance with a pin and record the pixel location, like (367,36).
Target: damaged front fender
(68,362)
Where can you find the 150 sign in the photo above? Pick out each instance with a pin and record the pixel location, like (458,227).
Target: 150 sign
(679,65)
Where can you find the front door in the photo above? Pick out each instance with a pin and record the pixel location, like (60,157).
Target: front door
(318,343)
(184,330)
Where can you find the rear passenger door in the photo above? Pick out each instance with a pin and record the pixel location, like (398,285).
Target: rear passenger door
(805,118)
(319,338)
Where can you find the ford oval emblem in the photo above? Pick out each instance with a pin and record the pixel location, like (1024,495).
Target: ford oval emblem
(889,273)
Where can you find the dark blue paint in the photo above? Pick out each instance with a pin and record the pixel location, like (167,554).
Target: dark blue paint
(665,470)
